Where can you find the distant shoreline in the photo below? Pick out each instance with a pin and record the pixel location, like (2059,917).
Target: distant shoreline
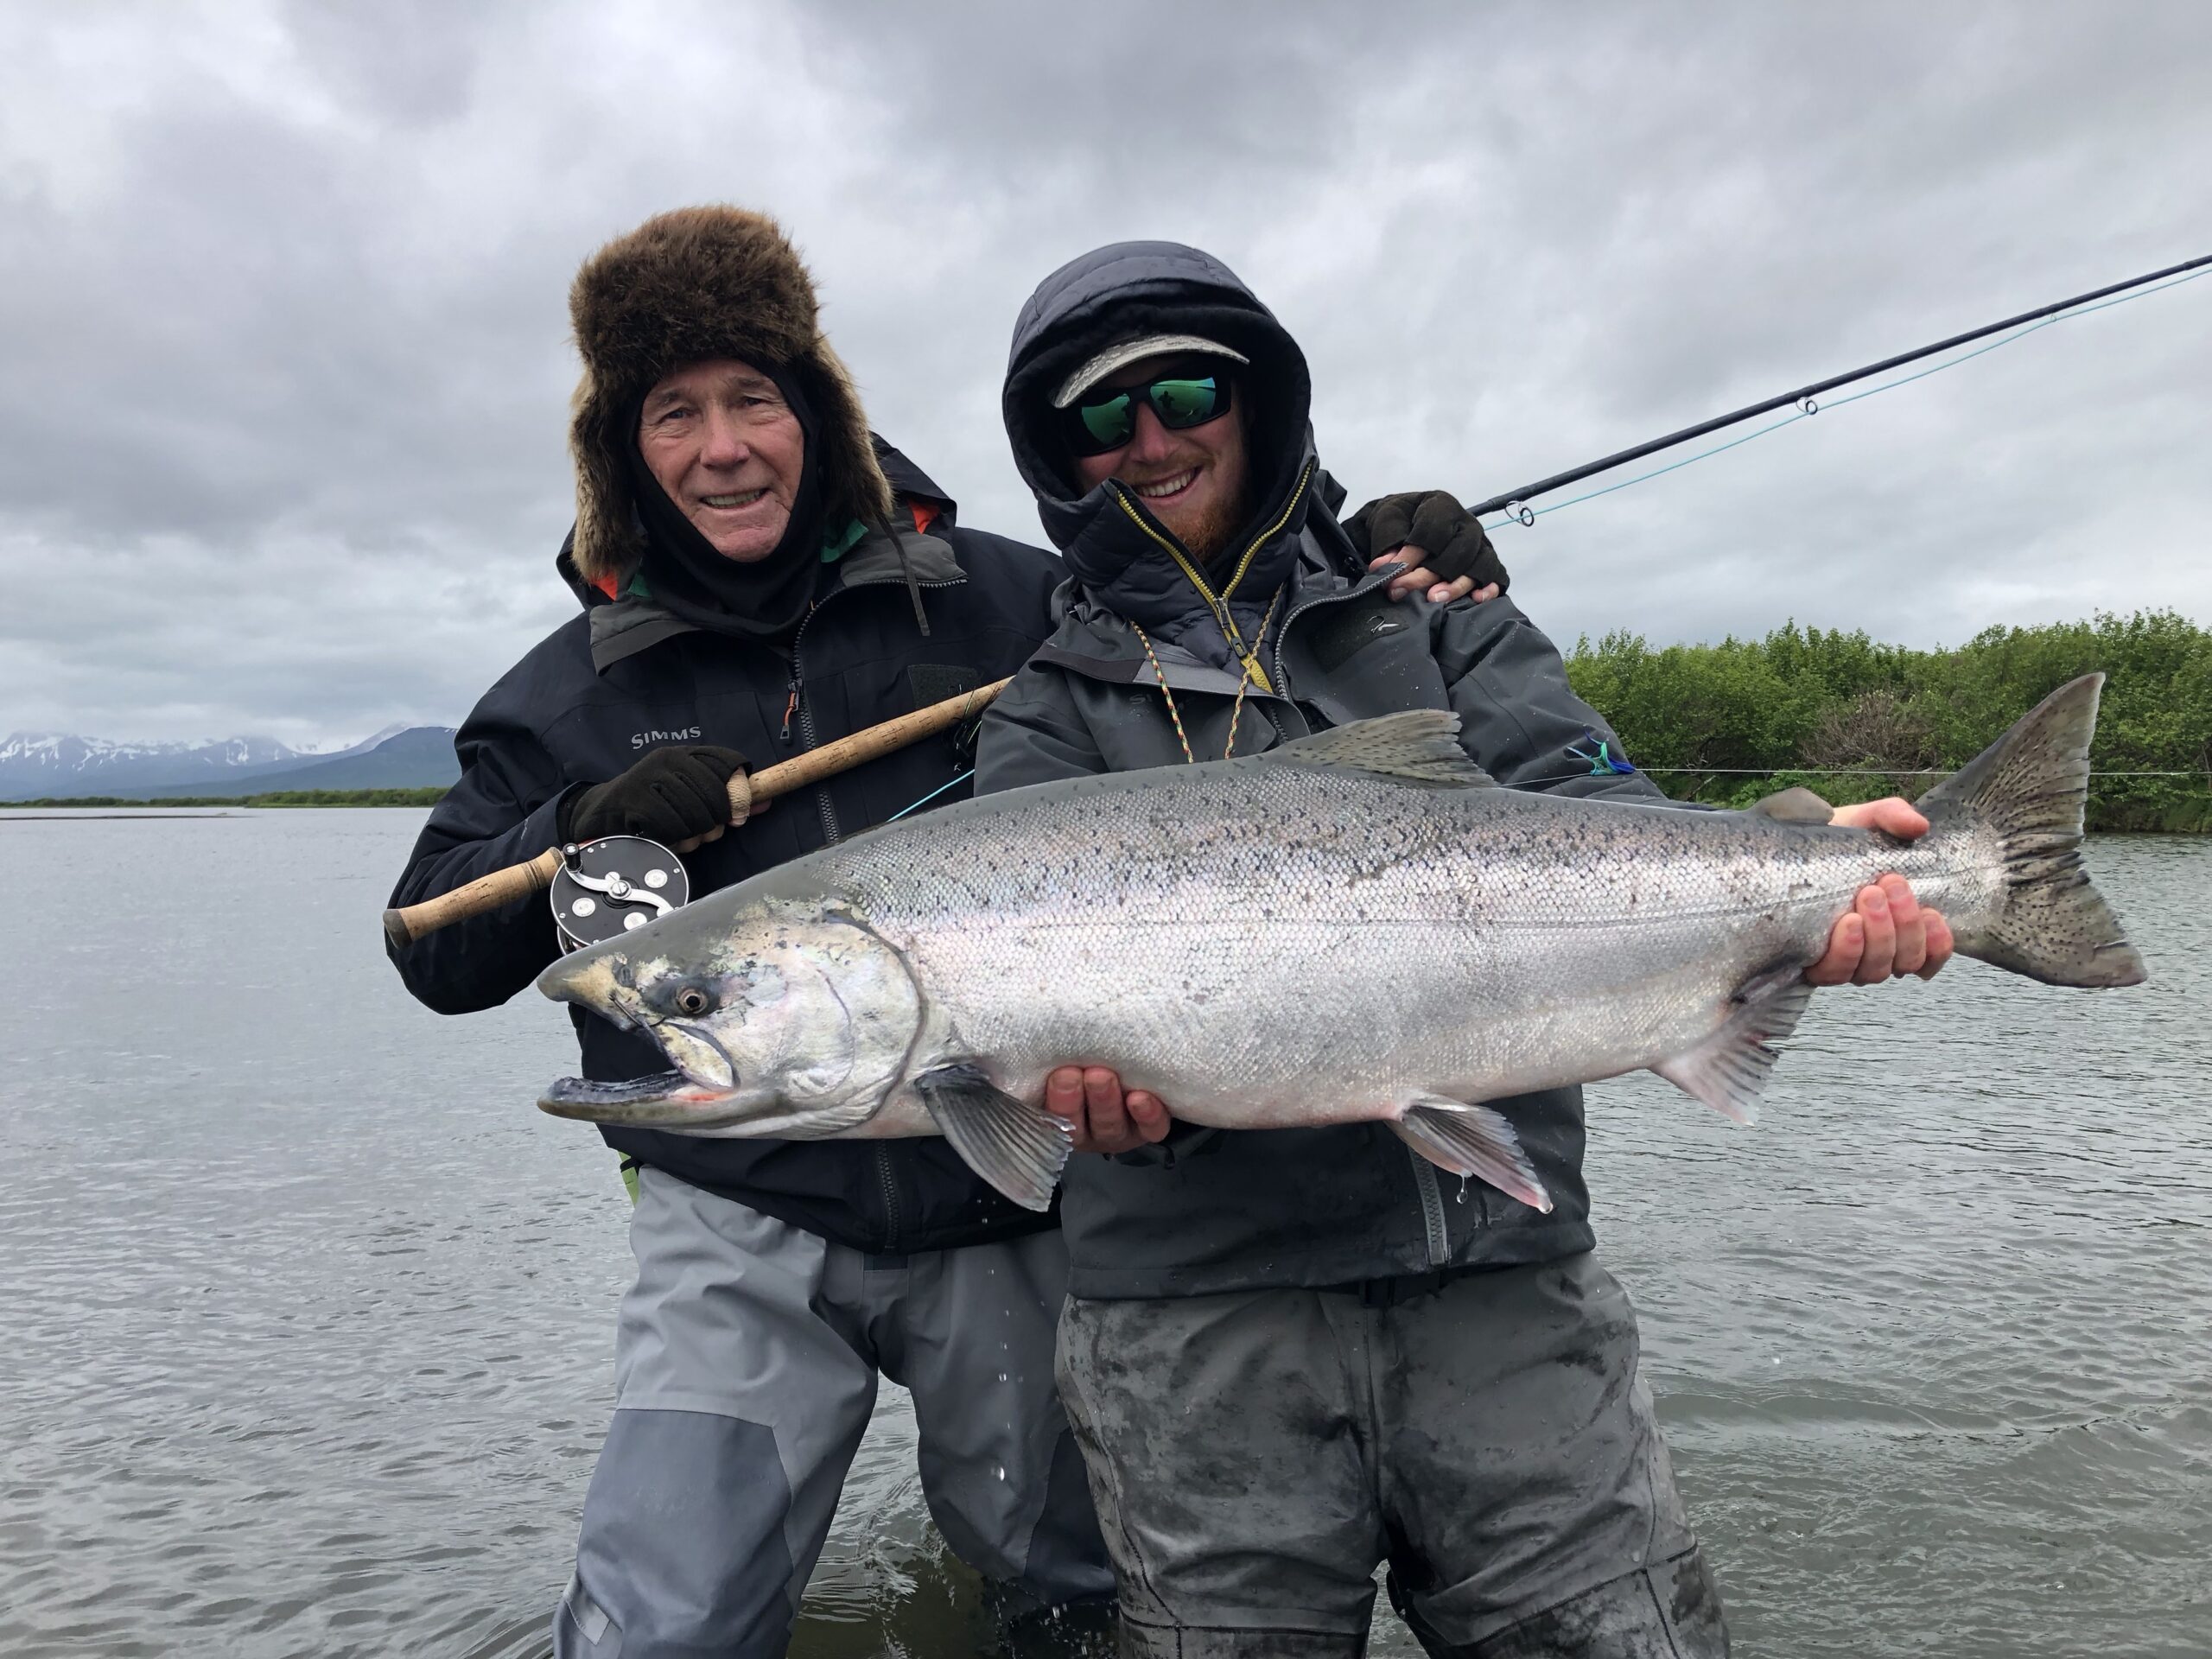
(275,797)
(1837,712)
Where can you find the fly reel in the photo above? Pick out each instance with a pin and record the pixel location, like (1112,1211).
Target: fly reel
(607,886)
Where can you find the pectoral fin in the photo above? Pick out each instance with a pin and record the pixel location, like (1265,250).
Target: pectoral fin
(1729,1068)
(1019,1148)
(1471,1141)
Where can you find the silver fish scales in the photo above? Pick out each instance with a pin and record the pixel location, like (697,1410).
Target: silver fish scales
(1354,927)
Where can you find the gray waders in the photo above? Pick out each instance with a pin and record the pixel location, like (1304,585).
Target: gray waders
(746,1365)
(1256,1454)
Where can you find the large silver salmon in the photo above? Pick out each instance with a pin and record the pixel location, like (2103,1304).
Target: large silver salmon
(1240,937)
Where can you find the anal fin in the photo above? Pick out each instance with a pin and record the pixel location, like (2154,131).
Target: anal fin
(1019,1148)
(1728,1069)
(1471,1141)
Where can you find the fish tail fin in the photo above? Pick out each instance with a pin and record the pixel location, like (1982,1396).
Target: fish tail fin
(2030,787)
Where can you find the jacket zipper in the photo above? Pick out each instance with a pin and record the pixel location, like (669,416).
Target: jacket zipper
(791,703)
(1436,1233)
(1435,1230)
(1432,1209)
(885,1181)
(891,1218)
(831,833)
(1218,603)
(796,706)
(1300,609)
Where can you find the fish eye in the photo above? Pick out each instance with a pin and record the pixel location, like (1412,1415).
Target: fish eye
(694,1000)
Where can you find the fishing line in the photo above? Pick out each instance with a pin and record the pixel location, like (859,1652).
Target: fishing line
(916,806)
(1712,771)
(1814,771)
(1808,399)
(1871,771)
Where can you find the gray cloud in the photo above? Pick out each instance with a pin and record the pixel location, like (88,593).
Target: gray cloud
(283,296)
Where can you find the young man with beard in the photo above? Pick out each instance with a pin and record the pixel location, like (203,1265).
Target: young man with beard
(759,575)
(1291,1355)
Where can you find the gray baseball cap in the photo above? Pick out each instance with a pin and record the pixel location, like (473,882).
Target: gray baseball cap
(1124,352)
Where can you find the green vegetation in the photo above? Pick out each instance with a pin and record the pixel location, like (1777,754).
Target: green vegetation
(1855,720)
(276,797)
(1833,711)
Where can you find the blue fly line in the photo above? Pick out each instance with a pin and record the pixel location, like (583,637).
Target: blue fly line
(916,806)
(1529,515)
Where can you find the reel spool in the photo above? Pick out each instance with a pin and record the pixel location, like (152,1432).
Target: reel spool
(607,886)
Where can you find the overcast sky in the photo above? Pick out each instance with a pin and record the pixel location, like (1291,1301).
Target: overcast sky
(284,363)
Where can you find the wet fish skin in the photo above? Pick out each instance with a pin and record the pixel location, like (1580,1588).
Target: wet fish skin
(1235,937)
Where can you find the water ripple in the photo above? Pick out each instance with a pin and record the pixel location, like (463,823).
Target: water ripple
(309,1316)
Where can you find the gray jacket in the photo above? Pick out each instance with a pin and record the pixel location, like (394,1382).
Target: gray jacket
(1212,1211)
(1328,1206)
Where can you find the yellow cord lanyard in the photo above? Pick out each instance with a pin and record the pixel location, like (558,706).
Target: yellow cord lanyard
(1253,672)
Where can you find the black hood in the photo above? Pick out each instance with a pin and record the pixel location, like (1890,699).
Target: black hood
(1114,546)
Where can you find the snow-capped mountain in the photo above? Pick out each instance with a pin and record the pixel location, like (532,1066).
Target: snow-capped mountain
(51,762)
(367,743)
(414,757)
(34,764)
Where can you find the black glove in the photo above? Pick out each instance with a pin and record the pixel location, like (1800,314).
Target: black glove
(1452,538)
(674,794)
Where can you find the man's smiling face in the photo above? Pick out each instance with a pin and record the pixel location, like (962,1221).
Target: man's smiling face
(1194,482)
(724,444)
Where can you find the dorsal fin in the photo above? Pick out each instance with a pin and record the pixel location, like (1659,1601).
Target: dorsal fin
(1417,746)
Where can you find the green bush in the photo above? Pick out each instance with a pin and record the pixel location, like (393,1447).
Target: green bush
(1854,719)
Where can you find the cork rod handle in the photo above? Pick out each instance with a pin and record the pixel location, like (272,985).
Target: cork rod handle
(407,923)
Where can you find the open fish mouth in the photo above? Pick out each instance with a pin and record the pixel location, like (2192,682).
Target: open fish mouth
(697,1054)
(668,1098)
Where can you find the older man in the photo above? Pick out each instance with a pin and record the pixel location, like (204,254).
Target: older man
(759,575)
(1291,1355)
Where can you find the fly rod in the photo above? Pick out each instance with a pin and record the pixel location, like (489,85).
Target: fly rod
(404,925)
(1513,501)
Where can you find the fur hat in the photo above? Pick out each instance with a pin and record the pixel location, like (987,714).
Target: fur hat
(685,286)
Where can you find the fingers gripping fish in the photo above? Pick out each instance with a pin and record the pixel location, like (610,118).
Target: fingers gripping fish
(1182,925)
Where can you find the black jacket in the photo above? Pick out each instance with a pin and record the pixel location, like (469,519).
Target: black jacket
(625,677)
(1214,1210)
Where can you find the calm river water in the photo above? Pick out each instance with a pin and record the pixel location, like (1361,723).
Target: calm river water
(306,1315)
